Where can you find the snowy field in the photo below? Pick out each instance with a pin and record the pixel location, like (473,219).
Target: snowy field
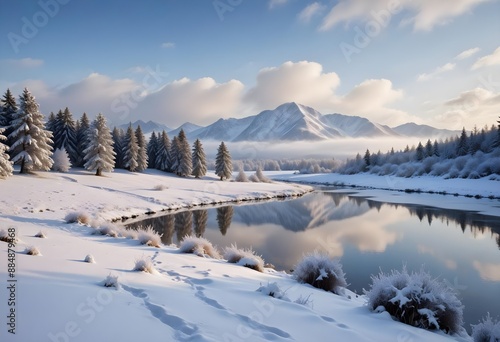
(59,297)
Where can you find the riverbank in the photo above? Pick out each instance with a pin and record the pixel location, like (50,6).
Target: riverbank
(123,194)
(59,297)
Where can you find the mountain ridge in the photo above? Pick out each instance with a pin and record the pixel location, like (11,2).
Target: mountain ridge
(292,121)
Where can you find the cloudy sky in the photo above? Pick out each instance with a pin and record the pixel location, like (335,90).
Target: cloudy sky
(172,61)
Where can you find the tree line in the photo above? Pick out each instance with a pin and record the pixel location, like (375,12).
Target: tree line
(472,155)
(62,142)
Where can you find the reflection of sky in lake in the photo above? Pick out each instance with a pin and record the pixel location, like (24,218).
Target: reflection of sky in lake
(368,236)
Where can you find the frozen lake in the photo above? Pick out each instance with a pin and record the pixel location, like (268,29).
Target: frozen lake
(460,247)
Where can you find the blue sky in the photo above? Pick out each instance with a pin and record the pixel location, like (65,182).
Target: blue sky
(392,61)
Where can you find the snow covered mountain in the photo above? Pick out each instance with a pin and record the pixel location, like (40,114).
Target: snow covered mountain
(290,121)
(423,131)
(147,127)
(294,122)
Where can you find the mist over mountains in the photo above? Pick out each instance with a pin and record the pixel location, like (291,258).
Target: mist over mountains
(295,122)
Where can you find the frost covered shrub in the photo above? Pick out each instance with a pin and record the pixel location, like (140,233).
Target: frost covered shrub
(4,236)
(320,271)
(273,290)
(109,229)
(254,178)
(261,177)
(416,299)
(32,250)
(77,217)
(198,246)
(144,265)
(160,187)
(486,331)
(244,257)
(148,236)
(241,177)
(89,258)
(41,235)
(111,281)
(61,160)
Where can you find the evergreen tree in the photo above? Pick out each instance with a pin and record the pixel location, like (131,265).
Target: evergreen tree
(130,150)
(185,165)
(152,150)
(31,145)
(435,149)
(162,161)
(118,136)
(199,160)
(51,123)
(62,161)
(65,134)
(82,128)
(99,154)
(174,155)
(367,158)
(463,144)
(56,129)
(496,143)
(8,110)
(419,154)
(5,163)
(142,154)
(223,165)
(428,148)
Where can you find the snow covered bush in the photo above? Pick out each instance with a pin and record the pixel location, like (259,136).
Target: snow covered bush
(160,187)
(273,290)
(111,281)
(253,178)
(144,265)
(244,257)
(241,177)
(148,236)
(78,217)
(199,246)
(89,258)
(486,331)
(109,229)
(41,235)
(260,176)
(61,160)
(416,299)
(320,271)
(32,250)
(4,236)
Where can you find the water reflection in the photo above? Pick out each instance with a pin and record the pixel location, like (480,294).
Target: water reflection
(458,246)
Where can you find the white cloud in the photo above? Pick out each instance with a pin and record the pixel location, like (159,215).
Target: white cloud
(23,63)
(303,82)
(310,11)
(168,45)
(276,3)
(201,101)
(467,53)
(477,106)
(424,15)
(489,60)
(437,71)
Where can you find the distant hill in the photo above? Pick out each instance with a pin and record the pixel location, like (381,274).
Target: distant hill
(423,131)
(147,127)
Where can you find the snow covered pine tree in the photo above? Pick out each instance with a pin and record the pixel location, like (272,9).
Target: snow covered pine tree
(223,165)
(99,154)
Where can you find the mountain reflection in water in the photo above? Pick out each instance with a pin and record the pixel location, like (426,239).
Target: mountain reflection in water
(458,246)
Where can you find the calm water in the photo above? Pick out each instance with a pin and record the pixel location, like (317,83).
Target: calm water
(462,248)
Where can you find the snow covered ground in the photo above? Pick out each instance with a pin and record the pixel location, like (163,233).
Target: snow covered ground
(58,297)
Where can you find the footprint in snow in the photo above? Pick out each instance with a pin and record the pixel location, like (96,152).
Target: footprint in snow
(328,319)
